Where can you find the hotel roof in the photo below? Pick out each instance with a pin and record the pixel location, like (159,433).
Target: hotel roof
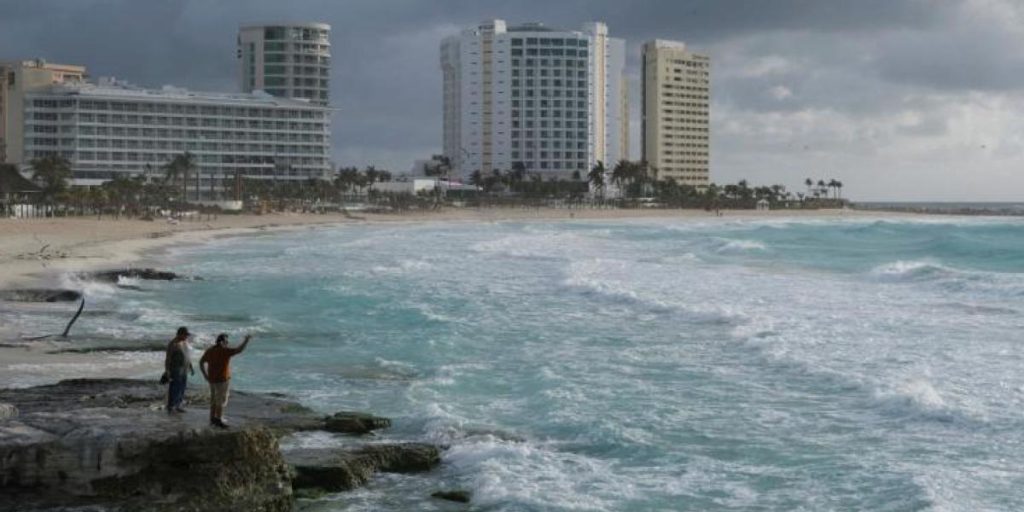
(116,89)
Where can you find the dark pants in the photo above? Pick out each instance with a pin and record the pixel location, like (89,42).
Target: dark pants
(176,391)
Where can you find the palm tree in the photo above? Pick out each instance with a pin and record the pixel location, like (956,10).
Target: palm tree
(744,191)
(182,165)
(839,189)
(822,190)
(711,195)
(348,178)
(596,178)
(371,174)
(476,178)
(810,183)
(52,174)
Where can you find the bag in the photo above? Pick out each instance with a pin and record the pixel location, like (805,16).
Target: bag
(164,379)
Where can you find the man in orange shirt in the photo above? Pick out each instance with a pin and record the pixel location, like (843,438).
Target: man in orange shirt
(216,367)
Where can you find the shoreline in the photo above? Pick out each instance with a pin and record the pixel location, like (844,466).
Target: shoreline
(84,244)
(34,251)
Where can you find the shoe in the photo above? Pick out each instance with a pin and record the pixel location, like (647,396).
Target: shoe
(217,422)
(179,409)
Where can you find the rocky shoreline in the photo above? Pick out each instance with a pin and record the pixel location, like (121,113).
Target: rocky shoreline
(107,444)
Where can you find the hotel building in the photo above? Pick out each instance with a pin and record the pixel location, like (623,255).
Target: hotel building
(112,128)
(551,100)
(676,124)
(286,60)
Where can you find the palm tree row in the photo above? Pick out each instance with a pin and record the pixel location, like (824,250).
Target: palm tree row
(520,183)
(350,179)
(634,182)
(822,188)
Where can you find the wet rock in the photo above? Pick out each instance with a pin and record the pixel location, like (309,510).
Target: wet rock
(457,496)
(336,470)
(155,346)
(113,276)
(40,295)
(8,411)
(358,423)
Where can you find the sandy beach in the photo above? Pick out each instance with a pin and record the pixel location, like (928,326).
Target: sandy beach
(37,252)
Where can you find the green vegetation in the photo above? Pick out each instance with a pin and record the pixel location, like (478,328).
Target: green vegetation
(628,184)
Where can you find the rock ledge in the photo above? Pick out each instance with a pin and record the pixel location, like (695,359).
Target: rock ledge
(108,443)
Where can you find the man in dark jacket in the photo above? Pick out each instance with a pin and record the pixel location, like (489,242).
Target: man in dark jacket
(177,366)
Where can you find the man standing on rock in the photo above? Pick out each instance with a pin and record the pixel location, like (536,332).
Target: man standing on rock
(216,367)
(177,365)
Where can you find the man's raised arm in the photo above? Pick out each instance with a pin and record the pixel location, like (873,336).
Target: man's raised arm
(244,344)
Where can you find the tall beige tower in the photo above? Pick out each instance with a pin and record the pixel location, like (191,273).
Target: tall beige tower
(286,60)
(16,79)
(676,122)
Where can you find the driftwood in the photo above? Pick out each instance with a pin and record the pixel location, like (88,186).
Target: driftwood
(67,329)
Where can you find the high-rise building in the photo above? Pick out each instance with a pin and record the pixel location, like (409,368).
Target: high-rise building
(15,79)
(550,100)
(676,122)
(286,60)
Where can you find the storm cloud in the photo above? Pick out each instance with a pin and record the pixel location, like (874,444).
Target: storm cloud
(899,99)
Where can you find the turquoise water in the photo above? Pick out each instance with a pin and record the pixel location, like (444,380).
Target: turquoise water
(640,365)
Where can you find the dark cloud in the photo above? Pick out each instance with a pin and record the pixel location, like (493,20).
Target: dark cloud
(797,83)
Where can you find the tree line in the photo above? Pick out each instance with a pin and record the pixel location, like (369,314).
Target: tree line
(626,184)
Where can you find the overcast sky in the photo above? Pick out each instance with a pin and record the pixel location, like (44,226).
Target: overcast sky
(898,99)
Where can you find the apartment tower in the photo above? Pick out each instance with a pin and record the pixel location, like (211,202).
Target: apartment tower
(676,97)
(549,100)
(286,60)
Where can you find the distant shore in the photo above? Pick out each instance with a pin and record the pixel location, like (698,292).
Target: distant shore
(952,208)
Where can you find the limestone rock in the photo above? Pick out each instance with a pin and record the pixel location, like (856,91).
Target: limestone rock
(107,442)
(345,469)
(112,276)
(40,295)
(355,423)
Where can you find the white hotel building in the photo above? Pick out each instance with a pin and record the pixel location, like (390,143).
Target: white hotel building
(110,128)
(552,100)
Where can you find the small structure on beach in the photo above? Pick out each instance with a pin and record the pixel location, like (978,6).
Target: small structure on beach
(763,205)
(16,192)
(13,184)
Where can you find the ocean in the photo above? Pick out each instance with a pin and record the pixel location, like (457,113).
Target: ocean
(635,365)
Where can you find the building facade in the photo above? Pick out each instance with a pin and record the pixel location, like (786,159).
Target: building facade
(676,115)
(286,60)
(15,79)
(551,101)
(112,128)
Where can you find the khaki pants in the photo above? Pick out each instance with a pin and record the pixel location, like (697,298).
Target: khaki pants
(219,392)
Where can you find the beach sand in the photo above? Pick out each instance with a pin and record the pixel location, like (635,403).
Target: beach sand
(36,252)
